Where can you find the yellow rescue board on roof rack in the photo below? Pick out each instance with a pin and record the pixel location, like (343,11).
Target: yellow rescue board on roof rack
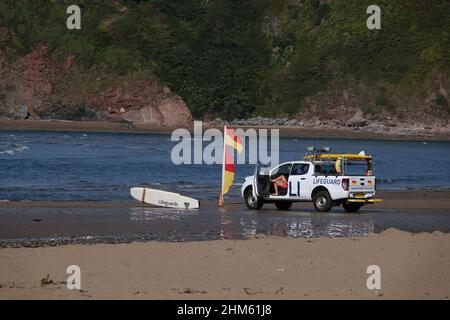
(364,200)
(351,156)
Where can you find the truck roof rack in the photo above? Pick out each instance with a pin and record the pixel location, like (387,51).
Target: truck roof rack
(321,153)
(335,156)
(312,152)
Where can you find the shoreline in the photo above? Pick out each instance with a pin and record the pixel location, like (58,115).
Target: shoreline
(413,266)
(285,131)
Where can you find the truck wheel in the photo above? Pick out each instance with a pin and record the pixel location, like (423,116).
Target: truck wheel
(351,207)
(322,201)
(283,205)
(252,202)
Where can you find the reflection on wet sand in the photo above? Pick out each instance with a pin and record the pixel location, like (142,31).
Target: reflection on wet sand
(159,214)
(243,224)
(305,226)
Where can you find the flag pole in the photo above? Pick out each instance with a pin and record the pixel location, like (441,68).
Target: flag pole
(223,166)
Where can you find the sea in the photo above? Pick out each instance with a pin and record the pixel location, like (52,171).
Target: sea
(86,166)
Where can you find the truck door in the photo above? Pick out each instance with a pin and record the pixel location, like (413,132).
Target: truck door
(285,170)
(261,181)
(299,182)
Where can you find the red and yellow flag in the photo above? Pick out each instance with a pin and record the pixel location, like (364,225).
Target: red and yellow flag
(233,140)
(230,140)
(229,171)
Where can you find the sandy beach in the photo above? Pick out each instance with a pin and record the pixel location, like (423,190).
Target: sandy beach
(413,266)
(285,131)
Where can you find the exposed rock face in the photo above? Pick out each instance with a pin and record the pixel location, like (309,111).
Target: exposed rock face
(71,112)
(14,111)
(32,77)
(359,106)
(147,103)
(174,111)
(36,86)
(357,120)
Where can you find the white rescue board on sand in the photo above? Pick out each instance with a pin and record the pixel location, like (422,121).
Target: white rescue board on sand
(163,198)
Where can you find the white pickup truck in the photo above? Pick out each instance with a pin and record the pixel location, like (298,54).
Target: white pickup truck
(325,179)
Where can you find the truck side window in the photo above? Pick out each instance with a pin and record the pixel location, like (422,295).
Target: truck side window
(284,170)
(299,169)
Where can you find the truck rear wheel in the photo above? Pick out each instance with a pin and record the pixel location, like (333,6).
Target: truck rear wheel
(351,207)
(322,201)
(283,205)
(252,202)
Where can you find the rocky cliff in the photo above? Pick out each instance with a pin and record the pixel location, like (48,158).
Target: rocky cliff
(35,86)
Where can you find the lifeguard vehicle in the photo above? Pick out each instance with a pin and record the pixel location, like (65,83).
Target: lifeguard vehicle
(324,178)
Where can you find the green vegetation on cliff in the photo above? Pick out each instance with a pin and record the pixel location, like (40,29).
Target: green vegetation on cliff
(235,59)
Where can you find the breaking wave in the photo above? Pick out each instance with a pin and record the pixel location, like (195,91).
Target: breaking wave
(11,149)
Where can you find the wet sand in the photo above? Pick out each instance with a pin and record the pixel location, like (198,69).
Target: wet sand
(53,223)
(286,131)
(413,266)
(414,199)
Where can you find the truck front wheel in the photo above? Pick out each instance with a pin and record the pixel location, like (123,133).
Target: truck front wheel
(252,202)
(322,201)
(351,207)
